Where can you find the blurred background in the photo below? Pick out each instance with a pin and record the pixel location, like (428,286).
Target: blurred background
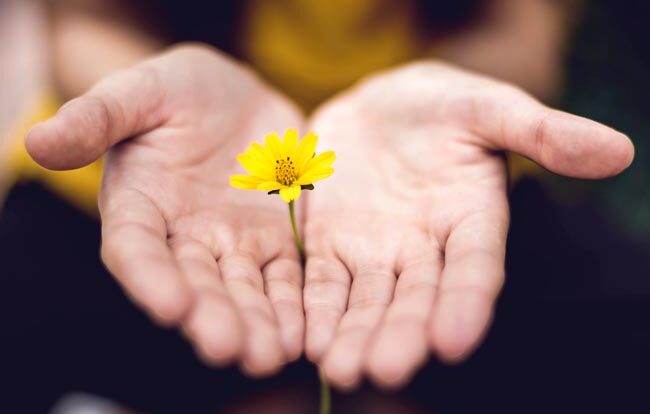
(571,332)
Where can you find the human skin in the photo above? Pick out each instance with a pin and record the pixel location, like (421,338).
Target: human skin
(405,243)
(217,262)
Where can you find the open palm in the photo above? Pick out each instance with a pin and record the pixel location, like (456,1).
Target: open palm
(188,248)
(406,243)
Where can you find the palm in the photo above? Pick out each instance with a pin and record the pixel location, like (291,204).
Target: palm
(406,242)
(219,262)
(246,234)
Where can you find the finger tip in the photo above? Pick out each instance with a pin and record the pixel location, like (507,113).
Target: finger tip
(343,380)
(449,347)
(262,358)
(389,383)
(341,370)
(260,369)
(614,153)
(293,349)
(218,342)
(391,367)
(387,375)
(292,343)
(39,143)
(312,355)
(292,335)
(264,362)
(215,356)
(168,314)
(456,332)
(72,138)
(451,354)
(583,148)
(315,346)
(623,153)
(169,305)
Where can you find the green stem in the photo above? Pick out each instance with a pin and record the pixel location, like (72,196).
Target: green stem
(296,234)
(325,397)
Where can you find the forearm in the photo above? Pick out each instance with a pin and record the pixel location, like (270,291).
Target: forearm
(90,39)
(522,42)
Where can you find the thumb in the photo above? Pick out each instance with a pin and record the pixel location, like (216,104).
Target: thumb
(120,106)
(560,142)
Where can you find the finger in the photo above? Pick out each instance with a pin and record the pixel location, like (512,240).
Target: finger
(471,279)
(400,345)
(327,286)
(263,352)
(124,104)
(213,323)
(135,250)
(563,143)
(371,292)
(283,285)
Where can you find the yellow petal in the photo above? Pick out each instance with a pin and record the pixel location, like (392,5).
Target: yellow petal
(305,150)
(323,160)
(253,153)
(244,182)
(290,193)
(272,141)
(315,175)
(264,152)
(290,142)
(270,186)
(256,167)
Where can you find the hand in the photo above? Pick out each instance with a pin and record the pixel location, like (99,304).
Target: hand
(220,263)
(406,242)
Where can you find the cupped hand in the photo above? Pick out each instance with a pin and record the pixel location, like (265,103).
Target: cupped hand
(218,262)
(406,242)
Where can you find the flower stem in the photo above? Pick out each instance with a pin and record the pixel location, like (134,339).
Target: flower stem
(325,398)
(296,234)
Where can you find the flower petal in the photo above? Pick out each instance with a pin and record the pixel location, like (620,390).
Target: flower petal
(264,152)
(255,154)
(290,142)
(256,167)
(289,194)
(323,160)
(305,150)
(244,182)
(314,175)
(272,141)
(270,186)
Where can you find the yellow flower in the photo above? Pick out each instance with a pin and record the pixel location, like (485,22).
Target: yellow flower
(286,166)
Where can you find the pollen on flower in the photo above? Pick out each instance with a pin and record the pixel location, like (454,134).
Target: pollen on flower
(285,171)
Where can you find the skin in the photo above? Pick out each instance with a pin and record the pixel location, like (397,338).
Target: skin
(215,261)
(405,243)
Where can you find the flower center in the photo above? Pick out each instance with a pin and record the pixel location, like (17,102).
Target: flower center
(285,172)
